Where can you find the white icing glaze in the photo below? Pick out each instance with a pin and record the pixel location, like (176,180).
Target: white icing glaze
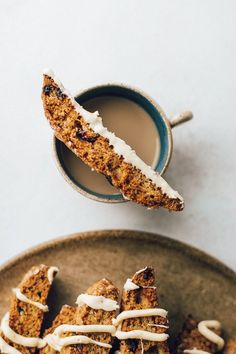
(52,271)
(84,329)
(195,351)
(149,287)
(58,343)
(55,341)
(17,338)
(138,313)
(157,325)
(97,302)
(204,329)
(129,285)
(24,298)
(139,334)
(141,270)
(120,147)
(142,347)
(6,348)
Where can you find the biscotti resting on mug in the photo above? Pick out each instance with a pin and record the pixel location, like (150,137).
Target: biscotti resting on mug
(84,134)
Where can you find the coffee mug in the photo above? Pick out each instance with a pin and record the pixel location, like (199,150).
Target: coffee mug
(162,123)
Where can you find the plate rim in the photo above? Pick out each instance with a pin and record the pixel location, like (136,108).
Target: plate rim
(166,241)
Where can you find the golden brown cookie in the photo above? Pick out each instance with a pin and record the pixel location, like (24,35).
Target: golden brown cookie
(190,338)
(88,314)
(83,133)
(143,296)
(26,318)
(66,316)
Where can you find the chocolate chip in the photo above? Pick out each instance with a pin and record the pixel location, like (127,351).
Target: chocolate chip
(109,166)
(20,310)
(60,94)
(109,179)
(77,348)
(132,344)
(138,296)
(78,125)
(47,89)
(147,273)
(82,135)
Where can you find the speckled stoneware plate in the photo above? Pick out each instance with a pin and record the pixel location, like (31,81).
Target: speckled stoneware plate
(189,281)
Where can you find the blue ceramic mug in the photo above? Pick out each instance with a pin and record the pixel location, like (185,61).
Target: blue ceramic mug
(163,126)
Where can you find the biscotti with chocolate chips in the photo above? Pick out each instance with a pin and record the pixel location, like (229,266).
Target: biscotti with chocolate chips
(65,316)
(87,315)
(84,134)
(27,308)
(191,338)
(140,294)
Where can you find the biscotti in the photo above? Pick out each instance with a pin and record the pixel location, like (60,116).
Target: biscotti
(21,326)
(202,336)
(84,134)
(90,330)
(65,316)
(142,324)
(99,325)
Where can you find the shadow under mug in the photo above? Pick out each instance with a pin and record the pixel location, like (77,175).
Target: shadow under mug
(163,125)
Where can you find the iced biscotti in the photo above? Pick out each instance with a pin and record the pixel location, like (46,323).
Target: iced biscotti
(142,324)
(84,134)
(21,326)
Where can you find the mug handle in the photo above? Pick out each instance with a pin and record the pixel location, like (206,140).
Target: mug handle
(181,118)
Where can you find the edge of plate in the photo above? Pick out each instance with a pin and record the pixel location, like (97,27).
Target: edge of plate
(164,241)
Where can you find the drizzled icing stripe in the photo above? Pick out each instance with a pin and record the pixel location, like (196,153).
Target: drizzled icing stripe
(142,347)
(6,348)
(195,351)
(138,313)
(141,270)
(52,271)
(56,342)
(97,302)
(148,287)
(129,285)
(157,325)
(24,298)
(204,329)
(139,334)
(17,338)
(84,329)
(120,147)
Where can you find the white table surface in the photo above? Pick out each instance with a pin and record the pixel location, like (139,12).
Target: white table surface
(183,53)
